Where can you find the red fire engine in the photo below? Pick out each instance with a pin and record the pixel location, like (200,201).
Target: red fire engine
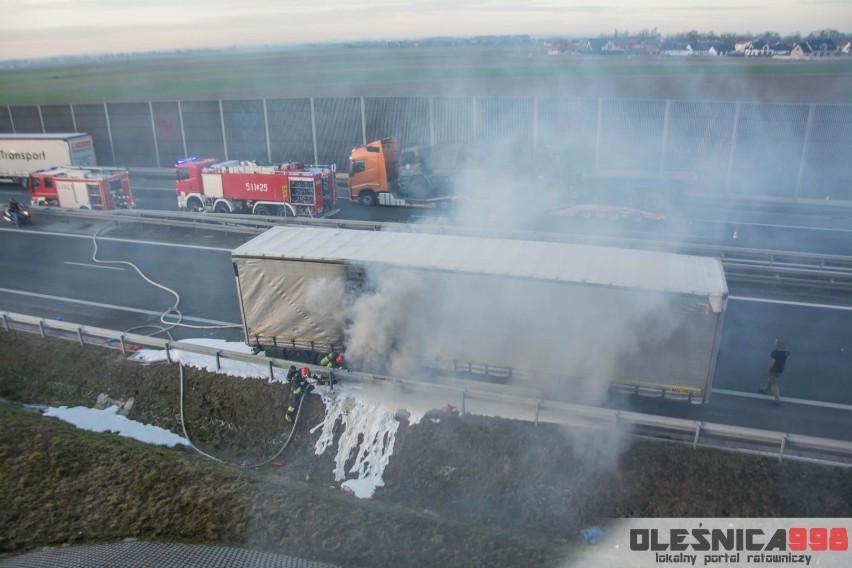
(81,187)
(245,187)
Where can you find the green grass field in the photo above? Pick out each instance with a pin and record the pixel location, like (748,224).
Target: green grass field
(398,72)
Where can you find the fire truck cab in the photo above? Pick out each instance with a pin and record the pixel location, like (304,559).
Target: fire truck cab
(81,187)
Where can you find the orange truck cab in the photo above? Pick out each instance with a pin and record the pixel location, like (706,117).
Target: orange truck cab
(373,171)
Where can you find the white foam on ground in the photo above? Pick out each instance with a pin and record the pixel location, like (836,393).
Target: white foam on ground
(369,431)
(369,426)
(208,362)
(109,420)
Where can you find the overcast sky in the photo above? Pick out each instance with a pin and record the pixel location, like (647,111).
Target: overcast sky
(40,28)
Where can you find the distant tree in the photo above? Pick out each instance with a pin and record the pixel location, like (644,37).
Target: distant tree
(792,39)
(826,34)
(688,37)
(770,37)
(648,35)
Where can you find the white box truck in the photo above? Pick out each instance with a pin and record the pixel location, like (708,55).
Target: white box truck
(566,318)
(21,154)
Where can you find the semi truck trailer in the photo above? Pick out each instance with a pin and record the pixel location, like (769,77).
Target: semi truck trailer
(21,154)
(569,319)
(444,175)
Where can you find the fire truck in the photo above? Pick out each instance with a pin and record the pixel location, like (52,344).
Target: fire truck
(235,186)
(81,187)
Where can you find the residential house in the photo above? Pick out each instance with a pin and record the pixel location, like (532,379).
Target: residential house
(741,46)
(781,50)
(556,47)
(611,48)
(814,48)
(801,50)
(720,49)
(758,49)
(674,48)
(707,48)
(594,45)
(823,48)
(698,48)
(846,48)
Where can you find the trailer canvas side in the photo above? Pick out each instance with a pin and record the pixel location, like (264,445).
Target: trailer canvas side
(571,317)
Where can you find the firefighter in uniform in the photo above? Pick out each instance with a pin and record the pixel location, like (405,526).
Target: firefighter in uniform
(300,387)
(291,374)
(333,360)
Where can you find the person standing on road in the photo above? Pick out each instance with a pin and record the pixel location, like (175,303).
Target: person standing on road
(15,212)
(777,362)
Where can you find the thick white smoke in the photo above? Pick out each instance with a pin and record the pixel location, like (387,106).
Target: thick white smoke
(569,340)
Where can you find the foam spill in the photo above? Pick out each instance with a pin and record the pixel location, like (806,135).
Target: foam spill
(369,432)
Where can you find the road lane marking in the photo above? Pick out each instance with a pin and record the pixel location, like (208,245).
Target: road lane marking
(773,225)
(821,404)
(790,303)
(112,306)
(93,265)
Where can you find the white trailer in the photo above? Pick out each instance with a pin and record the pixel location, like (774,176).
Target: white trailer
(21,154)
(562,317)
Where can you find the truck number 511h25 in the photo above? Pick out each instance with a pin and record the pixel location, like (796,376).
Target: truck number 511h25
(251,186)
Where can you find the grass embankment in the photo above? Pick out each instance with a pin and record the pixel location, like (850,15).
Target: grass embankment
(461,491)
(62,485)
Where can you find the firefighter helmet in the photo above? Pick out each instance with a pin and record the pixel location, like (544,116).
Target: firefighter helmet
(305,372)
(340,359)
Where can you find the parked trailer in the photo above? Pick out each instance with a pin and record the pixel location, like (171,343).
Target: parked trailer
(564,316)
(426,177)
(21,154)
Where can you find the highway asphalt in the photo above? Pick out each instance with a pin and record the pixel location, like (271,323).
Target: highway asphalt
(47,272)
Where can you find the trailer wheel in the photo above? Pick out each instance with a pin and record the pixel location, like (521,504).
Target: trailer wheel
(262,210)
(419,188)
(367,198)
(221,207)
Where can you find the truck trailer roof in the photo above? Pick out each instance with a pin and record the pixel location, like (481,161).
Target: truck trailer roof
(42,136)
(570,263)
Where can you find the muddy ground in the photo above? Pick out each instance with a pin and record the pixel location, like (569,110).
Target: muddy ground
(459,490)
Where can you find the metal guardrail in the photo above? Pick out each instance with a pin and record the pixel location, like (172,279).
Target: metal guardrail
(741,264)
(501,400)
(249,224)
